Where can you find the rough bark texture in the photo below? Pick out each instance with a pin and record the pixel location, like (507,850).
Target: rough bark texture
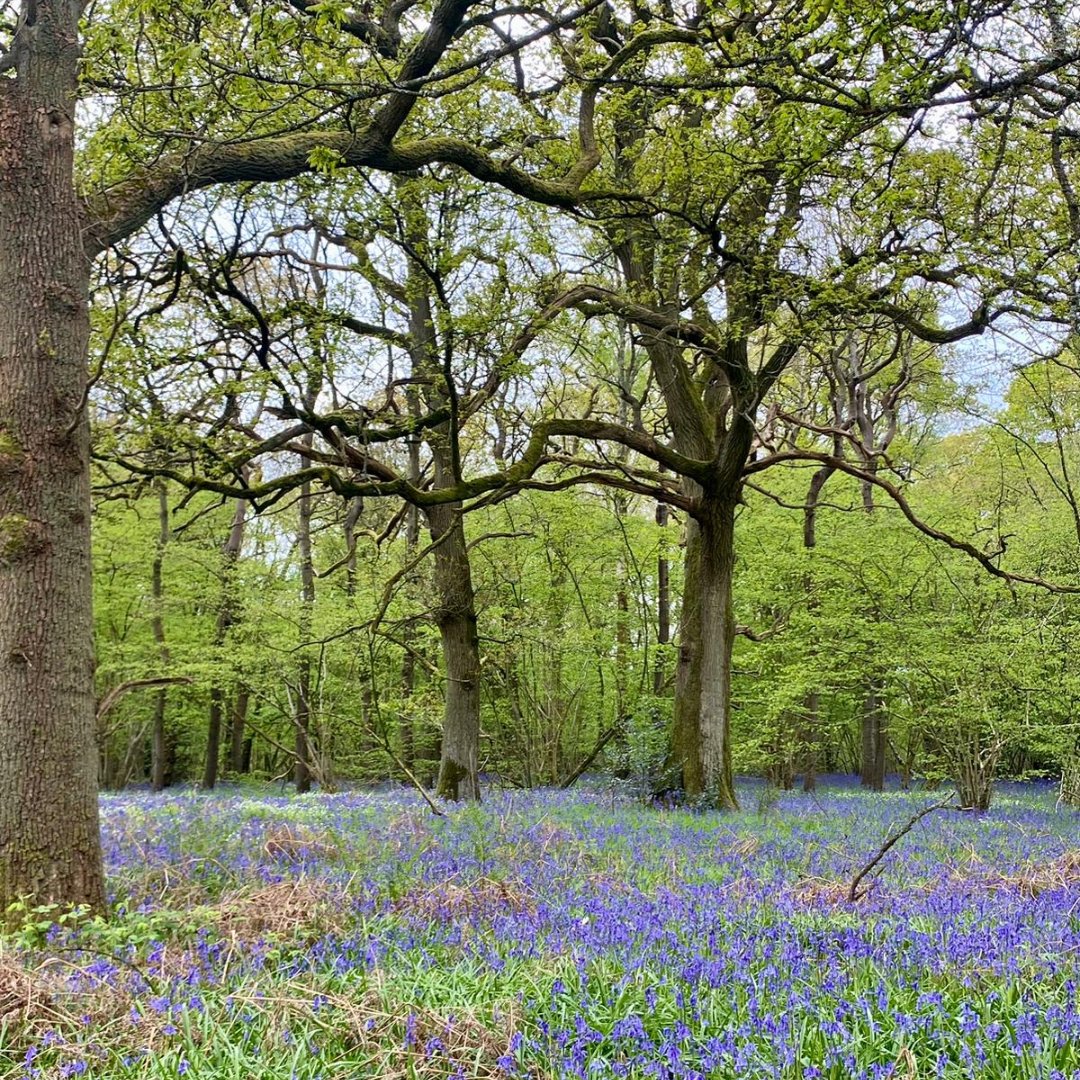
(716,640)
(456,617)
(50,846)
(872,770)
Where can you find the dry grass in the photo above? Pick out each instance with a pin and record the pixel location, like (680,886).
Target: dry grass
(745,847)
(1035,878)
(300,907)
(814,891)
(483,896)
(26,999)
(905,1067)
(395,1039)
(290,843)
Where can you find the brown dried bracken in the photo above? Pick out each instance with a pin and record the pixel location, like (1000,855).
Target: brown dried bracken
(481,896)
(291,843)
(402,1039)
(23,999)
(816,890)
(285,909)
(1033,879)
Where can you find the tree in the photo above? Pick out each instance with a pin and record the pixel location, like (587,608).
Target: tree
(49,235)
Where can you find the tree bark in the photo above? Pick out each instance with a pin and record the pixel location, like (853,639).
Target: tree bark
(456,612)
(716,640)
(159,751)
(302,767)
(663,605)
(238,760)
(226,617)
(873,744)
(50,845)
(456,618)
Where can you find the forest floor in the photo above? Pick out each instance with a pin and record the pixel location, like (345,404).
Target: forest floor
(549,935)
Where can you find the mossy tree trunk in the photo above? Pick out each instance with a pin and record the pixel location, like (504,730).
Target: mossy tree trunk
(50,846)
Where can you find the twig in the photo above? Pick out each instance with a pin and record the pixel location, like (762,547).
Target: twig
(381,736)
(854,893)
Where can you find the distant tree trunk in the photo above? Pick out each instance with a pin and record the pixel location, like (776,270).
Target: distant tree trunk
(456,612)
(663,605)
(226,616)
(237,730)
(873,743)
(50,846)
(352,517)
(810,768)
(811,735)
(408,662)
(159,751)
(302,767)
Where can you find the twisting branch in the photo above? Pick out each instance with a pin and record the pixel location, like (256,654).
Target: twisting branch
(109,701)
(854,892)
(986,561)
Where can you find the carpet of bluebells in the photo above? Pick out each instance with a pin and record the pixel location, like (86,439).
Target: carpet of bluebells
(546,935)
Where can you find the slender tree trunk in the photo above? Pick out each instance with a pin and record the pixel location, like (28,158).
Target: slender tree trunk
(810,734)
(158,748)
(663,605)
(811,737)
(237,730)
(50,846)
(686,737)
(226,617)
(456,614)
(456,618)
(872,766)
(408,663)
(302,768)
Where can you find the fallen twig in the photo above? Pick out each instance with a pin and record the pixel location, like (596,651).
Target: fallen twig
(854,893)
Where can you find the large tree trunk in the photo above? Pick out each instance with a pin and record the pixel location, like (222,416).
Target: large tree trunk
(50,846)
(226,617)
(456,614)
(456,618)
(707,635)
(716,640)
